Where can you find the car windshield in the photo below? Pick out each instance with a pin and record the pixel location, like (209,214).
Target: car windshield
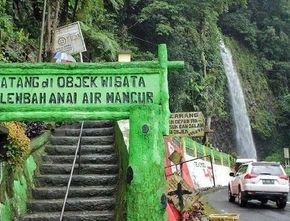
(267,169)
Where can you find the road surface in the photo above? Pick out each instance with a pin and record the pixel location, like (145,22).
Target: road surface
(254,211)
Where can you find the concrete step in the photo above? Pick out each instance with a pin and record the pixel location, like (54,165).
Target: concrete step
(84,169)
(72,204)
(85,132)
(92,192)
(77,180)
(89,124)
(99,140)
(42,193)
(85,149)
(85,159)
(106,215)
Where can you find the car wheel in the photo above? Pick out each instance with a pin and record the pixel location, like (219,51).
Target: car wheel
(241,199)
(281,204)
(230,195)
(265,201)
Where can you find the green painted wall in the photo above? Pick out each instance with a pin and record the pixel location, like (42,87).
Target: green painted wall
(146,157)
(123,156)
(20,194)
(15,204)
(5,211)
(15,186)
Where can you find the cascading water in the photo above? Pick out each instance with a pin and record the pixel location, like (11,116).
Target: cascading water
(245,143)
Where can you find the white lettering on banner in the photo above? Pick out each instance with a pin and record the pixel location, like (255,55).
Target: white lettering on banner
(201,172)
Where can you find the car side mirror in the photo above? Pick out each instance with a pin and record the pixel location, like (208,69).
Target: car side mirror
(232,174)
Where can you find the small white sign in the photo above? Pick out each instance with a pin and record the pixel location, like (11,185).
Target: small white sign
(286,153)
(69,39)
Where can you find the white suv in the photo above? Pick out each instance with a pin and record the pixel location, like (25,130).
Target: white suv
(262,181)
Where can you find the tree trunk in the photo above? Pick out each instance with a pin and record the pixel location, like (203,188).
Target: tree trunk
(52,22)
(64,14)
(75,10)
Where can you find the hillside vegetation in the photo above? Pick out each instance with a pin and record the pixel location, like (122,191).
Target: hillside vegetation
(256,31)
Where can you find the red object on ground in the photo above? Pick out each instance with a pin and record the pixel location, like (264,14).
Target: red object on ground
(172,213)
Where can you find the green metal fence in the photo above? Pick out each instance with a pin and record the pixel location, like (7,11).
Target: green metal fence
(196,149)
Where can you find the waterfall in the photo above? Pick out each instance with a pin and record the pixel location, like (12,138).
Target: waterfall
(244,139)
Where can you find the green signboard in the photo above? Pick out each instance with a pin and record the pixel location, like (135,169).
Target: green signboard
(91,91)
(73,90)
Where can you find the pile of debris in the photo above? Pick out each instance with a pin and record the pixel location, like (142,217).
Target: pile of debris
(184,198)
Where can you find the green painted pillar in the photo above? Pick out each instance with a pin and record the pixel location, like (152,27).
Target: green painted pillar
(164,93)
(146,157)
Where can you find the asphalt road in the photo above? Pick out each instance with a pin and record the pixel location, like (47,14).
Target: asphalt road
(254,211)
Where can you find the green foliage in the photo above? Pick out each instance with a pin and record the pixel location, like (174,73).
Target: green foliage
(161,16)
(116,4)
(15,44)
(262,26)
(239,25)
(263,124)
(89,8)
(285,104)
(284,120)
(279,75)
(272,44)
(107,48)
(275,157)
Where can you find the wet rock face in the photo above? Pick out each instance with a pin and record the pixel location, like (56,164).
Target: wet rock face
(223,136)
(92,191)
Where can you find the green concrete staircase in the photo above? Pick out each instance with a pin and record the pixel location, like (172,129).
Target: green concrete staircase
(92,195)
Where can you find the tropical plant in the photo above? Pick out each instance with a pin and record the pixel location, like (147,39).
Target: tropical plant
(17,146)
